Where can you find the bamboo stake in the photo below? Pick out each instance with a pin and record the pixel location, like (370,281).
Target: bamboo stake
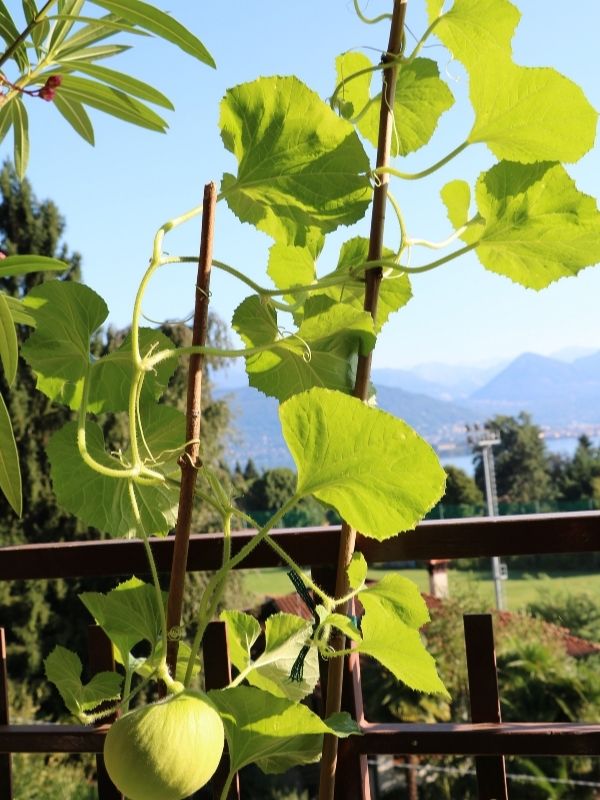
(189,461)
(361,387)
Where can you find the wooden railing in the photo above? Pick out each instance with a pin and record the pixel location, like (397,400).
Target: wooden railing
(486,737)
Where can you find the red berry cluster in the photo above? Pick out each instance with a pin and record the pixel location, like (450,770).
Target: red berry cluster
(48,90)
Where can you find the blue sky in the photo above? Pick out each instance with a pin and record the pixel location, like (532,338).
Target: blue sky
(115,195)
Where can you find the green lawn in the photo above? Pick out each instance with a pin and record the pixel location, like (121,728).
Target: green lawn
(520,589)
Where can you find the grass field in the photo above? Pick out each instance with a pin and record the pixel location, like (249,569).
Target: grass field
(520,588)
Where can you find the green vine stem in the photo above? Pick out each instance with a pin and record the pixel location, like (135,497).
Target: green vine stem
(361,388)
(189,459)
(367,20)
(415,176)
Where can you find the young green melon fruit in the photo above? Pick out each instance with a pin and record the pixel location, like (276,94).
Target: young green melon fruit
(166,750)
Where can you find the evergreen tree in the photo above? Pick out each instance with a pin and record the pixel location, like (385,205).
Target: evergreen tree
(521,461)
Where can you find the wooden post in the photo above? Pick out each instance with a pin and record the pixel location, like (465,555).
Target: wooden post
(485,700)
(217,675)
(101,659)
(5,758)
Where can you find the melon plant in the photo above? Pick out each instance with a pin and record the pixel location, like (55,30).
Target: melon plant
(303,168)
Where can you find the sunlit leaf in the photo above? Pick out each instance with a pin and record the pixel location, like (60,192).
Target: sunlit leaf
(22,265)
(538,227)
(457,199)
(6,120)
(94,30)
(128,614)
(322,353)
(394,291)
(285,635)
(126,83)
(302,170)
(66,314)
(530,114)
(158,23)
(104,502)
(394,612)
(10,33)
(273,732)
(64,668)
(71,58)
(20,315)
(373,468)
(291,266)
(10,472)
(357,571)
(421,98)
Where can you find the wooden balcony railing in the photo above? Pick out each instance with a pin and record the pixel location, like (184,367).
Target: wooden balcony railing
(486,737)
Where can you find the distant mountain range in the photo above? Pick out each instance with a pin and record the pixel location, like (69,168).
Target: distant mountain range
(438,400)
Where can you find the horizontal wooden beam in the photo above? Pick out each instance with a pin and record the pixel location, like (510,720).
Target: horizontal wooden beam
(459,538)
(505,738)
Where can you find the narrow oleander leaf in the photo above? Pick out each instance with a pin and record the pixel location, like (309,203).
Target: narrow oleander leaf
(126,83)
(394,291)
(67,314)
(67,15)
(94,30)
(128,614)
(159,23)
(111,101)
(22,265)
(456,196)
(302,170)
(104,502)
(76,116)
(10,472)
(285,635)
(19,314)
(421,99)
(322,353)
(64,668)
(10,33)
(379,474)
(394,612)
(538,226)
(111,376)
(530,114)
(357,571)
(6,120)
(9,346)
(476,29)
(273,732)
(40,30)
(72,57)
(20,121)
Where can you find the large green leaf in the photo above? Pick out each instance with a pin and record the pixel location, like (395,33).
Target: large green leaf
(302,170)
(9,346)
(20,121)
(394,291)
(290,265)
(285,635)
(10,473)
(111,101)
(128,614)
(394,612)
(273,732)
(538,226)
(66,314)
(112,375)
(158,23)
(457,199)
(63,669)
(373,468)
(104,502)
(476,29)
(421,98)
(530,114)
(322,353)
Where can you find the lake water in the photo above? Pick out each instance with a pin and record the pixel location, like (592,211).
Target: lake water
(566,446)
